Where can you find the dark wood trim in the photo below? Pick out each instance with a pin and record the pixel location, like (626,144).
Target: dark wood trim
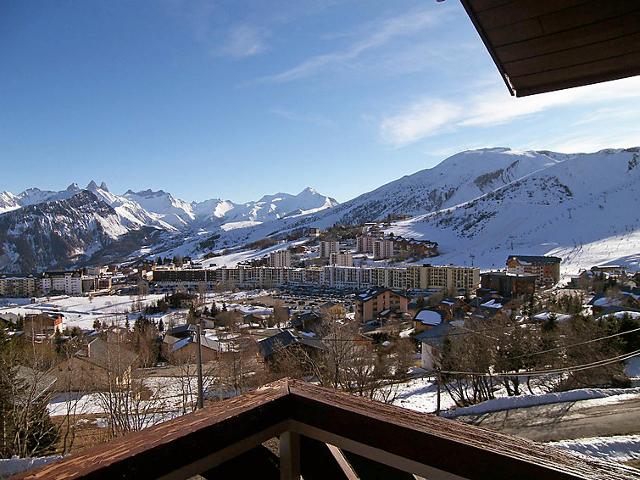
(421,444)
(487,44)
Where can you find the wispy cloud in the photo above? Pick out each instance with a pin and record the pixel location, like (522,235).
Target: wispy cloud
(428,116)
(376,35)
(244,41)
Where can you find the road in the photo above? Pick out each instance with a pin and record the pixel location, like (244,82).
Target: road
(562,421)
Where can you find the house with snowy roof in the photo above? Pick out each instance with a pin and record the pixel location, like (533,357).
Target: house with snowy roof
(426,319)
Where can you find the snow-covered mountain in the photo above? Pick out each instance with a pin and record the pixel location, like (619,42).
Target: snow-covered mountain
(268,208)
(134,215)
(479,205)
(62,232)
(584,209)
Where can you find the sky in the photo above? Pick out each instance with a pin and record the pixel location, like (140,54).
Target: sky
(235,99)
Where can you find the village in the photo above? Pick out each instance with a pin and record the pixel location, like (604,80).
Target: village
(113,350)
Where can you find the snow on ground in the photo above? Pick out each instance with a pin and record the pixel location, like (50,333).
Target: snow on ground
(421,395)
(168,396)
(596,395)
(81,312)
(620,448)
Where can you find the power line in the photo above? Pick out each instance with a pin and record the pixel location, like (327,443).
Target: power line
(576,368)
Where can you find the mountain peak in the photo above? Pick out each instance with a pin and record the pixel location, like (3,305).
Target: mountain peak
(308,191)
(92,186)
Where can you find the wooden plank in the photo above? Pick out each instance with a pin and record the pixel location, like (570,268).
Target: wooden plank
(480,5)
(435,442)
(574,56)
(584,14)
(175,444)
(584,35)
(521,10)
(594,72)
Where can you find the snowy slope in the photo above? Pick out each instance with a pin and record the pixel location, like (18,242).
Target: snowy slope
(173,211)
(585,209)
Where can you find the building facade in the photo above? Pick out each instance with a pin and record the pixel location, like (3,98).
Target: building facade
(341,259)
(328,247)
(383,248)
(546,269)
(450,279)
(279,259)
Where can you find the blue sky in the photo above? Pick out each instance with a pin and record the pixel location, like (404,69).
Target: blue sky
(236,99)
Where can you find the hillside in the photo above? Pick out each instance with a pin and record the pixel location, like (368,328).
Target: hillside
(585,209)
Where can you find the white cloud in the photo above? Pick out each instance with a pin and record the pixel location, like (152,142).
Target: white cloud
(377,35)
(428,116)
(243,41)
(422,119)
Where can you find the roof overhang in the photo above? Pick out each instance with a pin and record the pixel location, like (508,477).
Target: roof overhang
(311,421)
(545,45)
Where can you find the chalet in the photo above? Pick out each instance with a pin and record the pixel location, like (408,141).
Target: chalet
(426,319)
(268,347)
(431,342)
(546,269)
(43,324)
(100,365)
(306,320)
(376,300)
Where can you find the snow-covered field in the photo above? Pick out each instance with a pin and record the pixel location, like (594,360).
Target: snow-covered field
(421,395)
(81,312)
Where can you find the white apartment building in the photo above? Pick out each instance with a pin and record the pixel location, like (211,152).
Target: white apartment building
(341,259)
(281,258)
(328,247)
(68,282)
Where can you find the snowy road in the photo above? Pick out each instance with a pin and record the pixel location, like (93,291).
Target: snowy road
(570,420)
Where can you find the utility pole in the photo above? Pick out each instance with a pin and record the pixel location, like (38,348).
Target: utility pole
(200,403)
(438,385)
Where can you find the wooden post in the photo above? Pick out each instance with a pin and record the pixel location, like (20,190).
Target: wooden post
(290,456)
(438,385)
(200,403)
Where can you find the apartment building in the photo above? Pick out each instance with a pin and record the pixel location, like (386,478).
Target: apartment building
(383,248)
(377,301)
(364,242)
(452,279)
(64,281)
(328,247)
(341,259)
(20,287)
(279,259)
(546,269)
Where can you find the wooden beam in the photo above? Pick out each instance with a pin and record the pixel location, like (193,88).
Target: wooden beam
(289,455)
(343,462)
(372,453)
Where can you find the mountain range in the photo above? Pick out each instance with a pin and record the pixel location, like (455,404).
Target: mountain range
(479,205)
